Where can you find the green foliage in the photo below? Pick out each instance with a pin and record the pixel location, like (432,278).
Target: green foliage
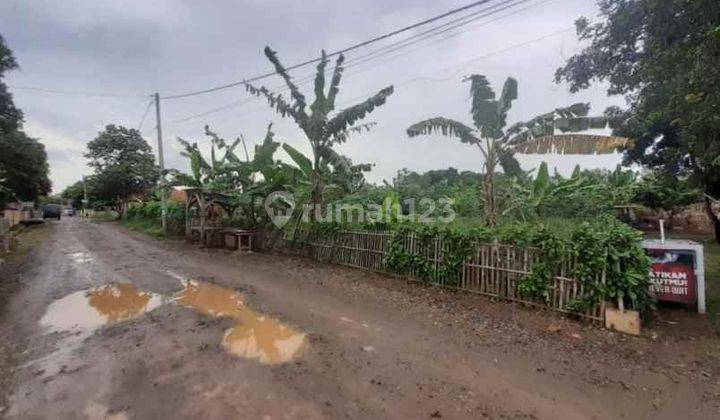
(11,118)
(611,245)
(23,167)
(603,246)
(662,192)
(146,216)
(323,127)
(23,160)
(584,194)
(662,56)
(124,165)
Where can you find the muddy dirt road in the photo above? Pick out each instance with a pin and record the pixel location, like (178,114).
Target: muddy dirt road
(110,324)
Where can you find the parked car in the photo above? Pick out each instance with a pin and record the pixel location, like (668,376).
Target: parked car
(69,211)
(52,211)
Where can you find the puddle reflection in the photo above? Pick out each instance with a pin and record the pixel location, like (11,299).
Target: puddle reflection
(93,308)
(255,336)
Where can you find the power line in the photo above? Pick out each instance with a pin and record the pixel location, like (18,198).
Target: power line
(342,51)
(145,113)
(472,60)
(437,30)
(368,57)
(418,78)
(77,92)
(448,26)
(231,105)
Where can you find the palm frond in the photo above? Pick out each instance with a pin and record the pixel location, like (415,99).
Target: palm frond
(485,109)
(349,116)
(337,161)
(280,69)
(342,137)
(444,126)
(572,118)
(509,94)
(573,144)
(302,162)
(320,103)
(335,82)
(276,101)
(264,152)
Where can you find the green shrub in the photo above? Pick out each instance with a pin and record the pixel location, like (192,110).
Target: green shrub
(147,216)
(605,245)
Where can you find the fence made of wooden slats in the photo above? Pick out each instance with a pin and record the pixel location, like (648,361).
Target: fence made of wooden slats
(491,269)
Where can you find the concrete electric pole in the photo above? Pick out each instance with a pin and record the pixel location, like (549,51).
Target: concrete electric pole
(161,163)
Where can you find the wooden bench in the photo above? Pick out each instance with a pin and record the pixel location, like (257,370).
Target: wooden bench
(243,238)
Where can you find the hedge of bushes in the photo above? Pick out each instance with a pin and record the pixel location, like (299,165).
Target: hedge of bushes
(147,216)
(603,244)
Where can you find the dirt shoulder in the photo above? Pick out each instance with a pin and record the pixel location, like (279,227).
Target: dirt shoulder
(22,254)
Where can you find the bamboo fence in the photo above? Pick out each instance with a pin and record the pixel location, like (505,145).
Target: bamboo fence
(493,270)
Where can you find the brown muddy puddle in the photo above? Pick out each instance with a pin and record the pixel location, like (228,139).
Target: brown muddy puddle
(80,314)
(90,309)
(255,336)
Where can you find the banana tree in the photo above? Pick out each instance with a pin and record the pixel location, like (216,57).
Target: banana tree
(536,136)
(488,116)
(337,172)
(323,127)
(528,200)
(244,183)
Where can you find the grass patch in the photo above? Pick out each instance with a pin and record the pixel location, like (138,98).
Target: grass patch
(150,227)
(712,281)
(103,216)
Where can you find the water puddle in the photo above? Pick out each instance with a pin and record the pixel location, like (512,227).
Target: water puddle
(81,257)
(90,309)
(255,336)
(80,314)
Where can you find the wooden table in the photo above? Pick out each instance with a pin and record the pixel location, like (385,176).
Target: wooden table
(243,238)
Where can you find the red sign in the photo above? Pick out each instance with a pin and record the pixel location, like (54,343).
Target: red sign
(672,278)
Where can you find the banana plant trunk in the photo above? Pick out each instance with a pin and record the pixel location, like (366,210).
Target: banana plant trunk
(489,184)
(316,196)
(490,206)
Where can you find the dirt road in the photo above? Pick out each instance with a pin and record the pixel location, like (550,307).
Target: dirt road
(110,324)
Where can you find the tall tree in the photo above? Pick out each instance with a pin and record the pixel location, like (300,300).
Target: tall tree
(663,56)
(124,165)
(23,166)
(536,136)
(10,116)
(23,160)
(323,127)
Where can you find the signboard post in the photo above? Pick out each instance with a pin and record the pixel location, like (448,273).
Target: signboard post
(678,271)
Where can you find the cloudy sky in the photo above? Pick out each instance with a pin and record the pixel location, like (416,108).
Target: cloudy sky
(135,48)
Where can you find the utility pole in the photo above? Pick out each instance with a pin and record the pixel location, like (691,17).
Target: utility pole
(85,199)
(161,163)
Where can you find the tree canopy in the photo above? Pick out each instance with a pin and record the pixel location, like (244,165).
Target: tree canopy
(23,161)
(663,56)
(124,164)
(23,166)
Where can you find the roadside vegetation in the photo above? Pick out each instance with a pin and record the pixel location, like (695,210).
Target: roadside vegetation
(146,217)
(670,128)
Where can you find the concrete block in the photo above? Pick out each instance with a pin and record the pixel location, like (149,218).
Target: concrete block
(627,322)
